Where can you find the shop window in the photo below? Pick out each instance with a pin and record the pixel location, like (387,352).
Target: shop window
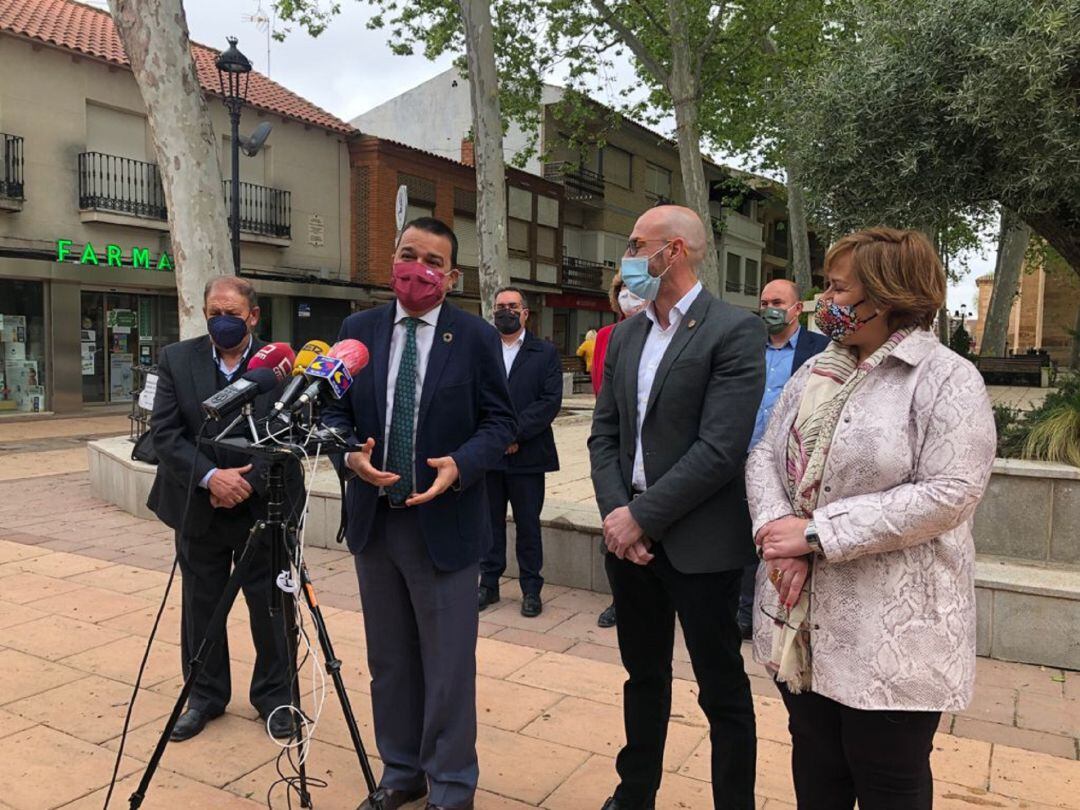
(22,343)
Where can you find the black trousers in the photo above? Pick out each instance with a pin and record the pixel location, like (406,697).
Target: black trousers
(525,494)
(205,565)
(840,755)
(647,600)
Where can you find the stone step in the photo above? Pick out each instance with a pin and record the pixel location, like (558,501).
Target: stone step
(1028,613)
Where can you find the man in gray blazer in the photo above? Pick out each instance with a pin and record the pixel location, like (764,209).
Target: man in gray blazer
(682,383)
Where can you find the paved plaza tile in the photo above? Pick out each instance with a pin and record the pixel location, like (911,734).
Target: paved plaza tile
(74,617)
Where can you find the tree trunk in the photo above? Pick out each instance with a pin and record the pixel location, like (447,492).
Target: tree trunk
(488,137)
(685,93)
(155,37)
(1012,246)
(943,324)
(1074,355)
(1061,229)
(800,238)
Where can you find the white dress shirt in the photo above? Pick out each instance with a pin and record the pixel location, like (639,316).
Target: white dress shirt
(511,352)
(656,345)
(425,337)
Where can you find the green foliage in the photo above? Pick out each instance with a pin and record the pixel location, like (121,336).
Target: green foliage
(1054,430)
(1050,432)
(943,106)
(960,342)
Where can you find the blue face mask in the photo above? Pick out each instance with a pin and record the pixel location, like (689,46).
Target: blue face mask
(227,331)
(637,278)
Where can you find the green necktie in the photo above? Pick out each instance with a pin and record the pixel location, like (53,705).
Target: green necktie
(399,457)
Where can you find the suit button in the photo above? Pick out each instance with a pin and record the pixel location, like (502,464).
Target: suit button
(828,489)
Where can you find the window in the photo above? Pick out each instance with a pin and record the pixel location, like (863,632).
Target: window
(112,132)
(734,273)
(519,202)
(657,180)
(518,235)
(22,341)
(547,211)
(616,166)
(752,285)
(545,241)
(468,241)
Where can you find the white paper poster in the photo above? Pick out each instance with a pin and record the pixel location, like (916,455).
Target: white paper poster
(88,359)
(120,377)
(146,397)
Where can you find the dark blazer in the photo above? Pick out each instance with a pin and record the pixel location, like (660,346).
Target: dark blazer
(465,412)
(187,375)
(808,344)
(697,425)
(536,390)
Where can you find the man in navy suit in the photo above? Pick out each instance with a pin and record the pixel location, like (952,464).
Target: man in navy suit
(432,415)
(535,377)
(788,347)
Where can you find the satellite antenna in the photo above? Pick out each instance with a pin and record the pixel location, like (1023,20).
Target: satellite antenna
(251,145)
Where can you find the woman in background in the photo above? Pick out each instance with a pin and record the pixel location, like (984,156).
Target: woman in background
(624,304)
(586,349)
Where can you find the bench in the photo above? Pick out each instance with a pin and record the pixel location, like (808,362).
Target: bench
(1030,370)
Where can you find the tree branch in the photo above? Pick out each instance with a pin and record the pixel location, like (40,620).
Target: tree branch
(710,39)
(633,42)
(652,19)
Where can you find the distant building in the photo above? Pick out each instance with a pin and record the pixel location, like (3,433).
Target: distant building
(1043,315)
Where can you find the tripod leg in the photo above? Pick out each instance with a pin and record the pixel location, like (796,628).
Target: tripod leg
(215,631)
(333,666)
(286,602)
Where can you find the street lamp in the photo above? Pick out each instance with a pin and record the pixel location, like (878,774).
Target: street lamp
(233,71)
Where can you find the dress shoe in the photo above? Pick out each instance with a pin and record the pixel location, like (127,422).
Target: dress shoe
(615,804)
(531,606)
(467,806)
(191,723)
(488,596)
(606,617)
(282,724)
(393,799)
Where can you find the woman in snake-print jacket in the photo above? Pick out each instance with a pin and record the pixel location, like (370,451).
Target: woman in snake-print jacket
(862,492)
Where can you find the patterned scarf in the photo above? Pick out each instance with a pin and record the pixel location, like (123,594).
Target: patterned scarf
(835,376)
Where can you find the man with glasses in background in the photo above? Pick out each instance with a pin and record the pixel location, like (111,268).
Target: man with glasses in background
(534,374)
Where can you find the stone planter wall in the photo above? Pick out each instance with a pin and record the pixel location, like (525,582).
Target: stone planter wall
(1027,538)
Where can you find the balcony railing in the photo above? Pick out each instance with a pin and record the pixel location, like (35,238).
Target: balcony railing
(11,166)
(777,246)
(263,210)
(583,185)
(113,183)
(733,285)
(582,274)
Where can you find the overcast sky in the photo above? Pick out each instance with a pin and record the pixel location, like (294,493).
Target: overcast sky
(349,69)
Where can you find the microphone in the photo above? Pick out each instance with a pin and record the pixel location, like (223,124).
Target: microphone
(277,357)
(308,353)
(333,373)
(254,382)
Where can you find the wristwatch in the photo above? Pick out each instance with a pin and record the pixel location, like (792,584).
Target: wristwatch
(812,538)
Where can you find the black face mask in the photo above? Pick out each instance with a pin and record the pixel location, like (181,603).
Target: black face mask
(507,321)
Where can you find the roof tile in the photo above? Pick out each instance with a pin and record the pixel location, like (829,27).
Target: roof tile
(87,30)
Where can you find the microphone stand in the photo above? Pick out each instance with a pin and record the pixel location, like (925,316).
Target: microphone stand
(280,533)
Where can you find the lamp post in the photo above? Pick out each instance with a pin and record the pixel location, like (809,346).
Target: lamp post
(233,71)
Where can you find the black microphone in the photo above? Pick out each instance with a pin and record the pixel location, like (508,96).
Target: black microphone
(255,382)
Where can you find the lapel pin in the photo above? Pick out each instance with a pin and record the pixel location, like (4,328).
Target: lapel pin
(692,324)
(448,337)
